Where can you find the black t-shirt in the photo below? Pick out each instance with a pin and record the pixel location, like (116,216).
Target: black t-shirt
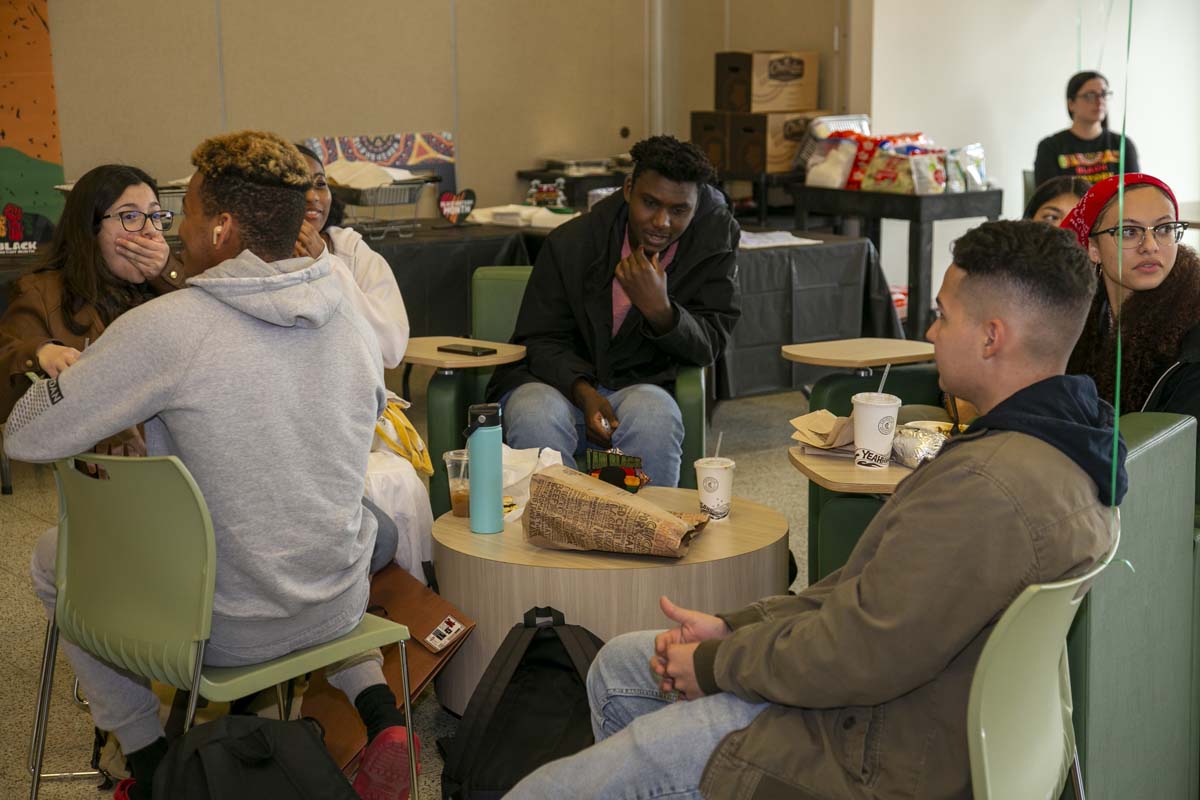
(1064,153)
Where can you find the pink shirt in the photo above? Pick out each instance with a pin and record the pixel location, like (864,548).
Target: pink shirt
(620,301)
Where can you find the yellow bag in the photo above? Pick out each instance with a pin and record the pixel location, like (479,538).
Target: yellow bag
(395,431)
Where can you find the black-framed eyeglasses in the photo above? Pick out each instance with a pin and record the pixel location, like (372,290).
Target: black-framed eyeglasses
(1134,235)
(135,221)
(1093,97)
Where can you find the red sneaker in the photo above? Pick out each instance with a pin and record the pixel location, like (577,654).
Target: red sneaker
(123,788)
(383,772)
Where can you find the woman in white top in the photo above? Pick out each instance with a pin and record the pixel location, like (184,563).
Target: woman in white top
(379,301)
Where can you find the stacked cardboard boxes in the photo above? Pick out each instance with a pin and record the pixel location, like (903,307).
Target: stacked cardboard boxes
(764,101)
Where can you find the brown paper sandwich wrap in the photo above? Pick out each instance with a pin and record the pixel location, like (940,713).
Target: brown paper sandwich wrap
(568,510)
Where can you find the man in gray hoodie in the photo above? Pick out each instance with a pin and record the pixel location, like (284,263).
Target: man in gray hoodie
(267,385)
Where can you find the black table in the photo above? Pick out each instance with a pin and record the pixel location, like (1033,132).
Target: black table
(807,293)
(763,182)
(434,266)
(575,187)
(921,211)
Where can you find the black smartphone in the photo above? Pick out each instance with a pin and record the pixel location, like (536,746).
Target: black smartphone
(467,350)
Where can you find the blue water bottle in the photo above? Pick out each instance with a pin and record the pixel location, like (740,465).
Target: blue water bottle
(485,467)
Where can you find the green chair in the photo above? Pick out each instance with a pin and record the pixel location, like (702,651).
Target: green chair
(136,571)
(836,520)
(1019,731)
(496,295)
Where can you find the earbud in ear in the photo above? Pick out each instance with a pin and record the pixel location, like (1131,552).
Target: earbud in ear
(216,233)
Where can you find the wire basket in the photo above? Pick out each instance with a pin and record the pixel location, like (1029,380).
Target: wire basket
(818,131)
(399,193)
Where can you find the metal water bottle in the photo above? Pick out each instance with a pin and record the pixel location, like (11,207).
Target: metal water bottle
(485,467)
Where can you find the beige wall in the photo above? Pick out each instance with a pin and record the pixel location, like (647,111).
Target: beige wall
(514,80)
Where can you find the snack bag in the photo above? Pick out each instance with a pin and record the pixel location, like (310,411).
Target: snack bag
(966,169)
(613,466)
(928,172)
(830,166)
(888,172)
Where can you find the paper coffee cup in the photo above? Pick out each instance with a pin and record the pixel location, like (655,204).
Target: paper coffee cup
(714,478)
(874,428)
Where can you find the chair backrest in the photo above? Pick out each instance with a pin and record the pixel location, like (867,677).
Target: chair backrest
(136,565)
(912,383)
(496,294)
(1019,713)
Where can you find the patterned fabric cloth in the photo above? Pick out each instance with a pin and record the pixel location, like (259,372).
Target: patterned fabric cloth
(392,150)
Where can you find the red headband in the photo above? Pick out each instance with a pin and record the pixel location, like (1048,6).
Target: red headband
(1082,217)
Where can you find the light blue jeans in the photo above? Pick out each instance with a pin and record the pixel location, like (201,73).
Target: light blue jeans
(538,415)
(646,745)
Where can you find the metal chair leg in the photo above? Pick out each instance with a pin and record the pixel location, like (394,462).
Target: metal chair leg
(194,695)
(1077,776)
(414,791)
(281,702)
(77,698)
(37,741)
(5,468)
(37,745)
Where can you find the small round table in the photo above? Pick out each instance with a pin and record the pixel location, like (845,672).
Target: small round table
(859,354)
(496,578)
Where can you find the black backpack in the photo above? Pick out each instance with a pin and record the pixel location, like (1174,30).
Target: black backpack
(530,708)
(238,756)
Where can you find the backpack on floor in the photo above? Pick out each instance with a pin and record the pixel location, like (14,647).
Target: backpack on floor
(530,708)
(248,757)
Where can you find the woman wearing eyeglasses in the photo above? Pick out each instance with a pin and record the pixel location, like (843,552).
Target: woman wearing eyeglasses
(107,255)
(1156,286)
(1087,149)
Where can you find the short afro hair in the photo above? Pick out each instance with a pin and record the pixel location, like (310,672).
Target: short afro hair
(677,161)
(1034,267)
(261,180)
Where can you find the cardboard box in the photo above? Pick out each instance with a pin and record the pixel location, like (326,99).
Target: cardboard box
(710,132)
(767,81)
(767,142)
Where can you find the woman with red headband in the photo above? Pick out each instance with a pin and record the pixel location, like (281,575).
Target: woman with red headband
(1155,282)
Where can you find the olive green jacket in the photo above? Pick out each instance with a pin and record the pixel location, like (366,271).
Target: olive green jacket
(870,669)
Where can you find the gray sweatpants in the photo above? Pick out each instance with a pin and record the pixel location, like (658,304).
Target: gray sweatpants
(124,703)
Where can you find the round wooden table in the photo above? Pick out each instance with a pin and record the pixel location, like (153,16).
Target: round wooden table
(860,354)
(496,578)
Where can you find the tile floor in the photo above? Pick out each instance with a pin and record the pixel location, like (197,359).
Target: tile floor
(756,436)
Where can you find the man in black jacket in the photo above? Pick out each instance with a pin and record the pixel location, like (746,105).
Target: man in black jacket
(619,300)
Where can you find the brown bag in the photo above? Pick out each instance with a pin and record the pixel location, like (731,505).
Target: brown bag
(571,511)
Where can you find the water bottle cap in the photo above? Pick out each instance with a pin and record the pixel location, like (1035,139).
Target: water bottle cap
(483,415)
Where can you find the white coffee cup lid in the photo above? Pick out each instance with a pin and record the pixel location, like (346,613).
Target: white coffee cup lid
(875,399)
(715,462)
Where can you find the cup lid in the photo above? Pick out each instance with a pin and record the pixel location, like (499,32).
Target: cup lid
(715,462)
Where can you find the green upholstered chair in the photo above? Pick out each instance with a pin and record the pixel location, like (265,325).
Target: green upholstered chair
(1132,646)
(836,520)
(1019,734)
(136,571)
(496,294)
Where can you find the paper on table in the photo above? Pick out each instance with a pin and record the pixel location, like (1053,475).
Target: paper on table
(821,429)
(752,240)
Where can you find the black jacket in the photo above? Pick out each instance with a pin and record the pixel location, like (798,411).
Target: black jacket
(1177,390)
(565,320)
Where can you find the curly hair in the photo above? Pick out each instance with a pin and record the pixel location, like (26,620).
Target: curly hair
(87,280)
(1032,266)
(682,162)
(261,180)
(1153,324)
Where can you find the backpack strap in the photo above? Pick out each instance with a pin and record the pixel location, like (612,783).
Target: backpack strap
(486,697)
(579,646)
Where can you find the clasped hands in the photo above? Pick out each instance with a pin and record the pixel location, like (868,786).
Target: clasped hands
(675,649)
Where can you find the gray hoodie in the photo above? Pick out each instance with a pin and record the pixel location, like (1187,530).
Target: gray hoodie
(267,386)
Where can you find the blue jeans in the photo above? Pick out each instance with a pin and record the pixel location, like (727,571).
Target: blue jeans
(537,415)
(646,745)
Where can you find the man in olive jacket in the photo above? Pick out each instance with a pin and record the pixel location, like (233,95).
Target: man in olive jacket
(620,299)
(858,687)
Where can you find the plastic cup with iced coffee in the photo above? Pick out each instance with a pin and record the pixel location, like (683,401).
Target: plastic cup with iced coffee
(459,481)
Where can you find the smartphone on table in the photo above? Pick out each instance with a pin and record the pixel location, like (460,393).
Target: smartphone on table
(467,350)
